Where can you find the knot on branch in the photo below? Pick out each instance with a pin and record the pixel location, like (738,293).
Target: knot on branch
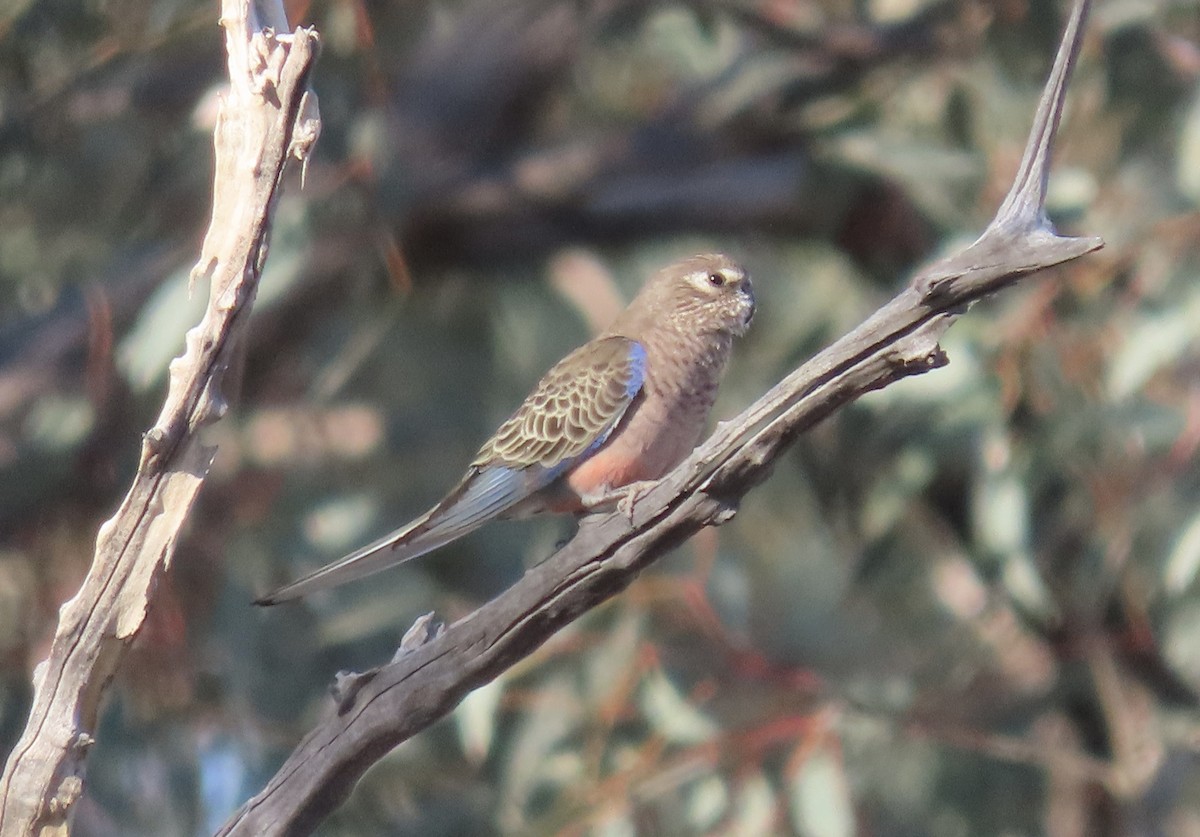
(725,511)
(424,630)
(68,793)
(155,443)
(919,350)
(212,405)
(347,684)
(82,743)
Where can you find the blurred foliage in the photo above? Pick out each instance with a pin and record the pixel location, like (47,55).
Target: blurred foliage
(966,606)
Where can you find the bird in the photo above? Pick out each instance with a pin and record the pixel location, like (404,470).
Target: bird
(618,412)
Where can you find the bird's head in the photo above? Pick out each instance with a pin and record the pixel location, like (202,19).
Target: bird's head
(703,294)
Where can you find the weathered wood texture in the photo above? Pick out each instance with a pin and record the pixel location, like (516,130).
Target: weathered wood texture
(265,119)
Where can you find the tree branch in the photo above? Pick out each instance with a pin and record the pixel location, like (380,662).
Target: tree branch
(266,117)
(378,710)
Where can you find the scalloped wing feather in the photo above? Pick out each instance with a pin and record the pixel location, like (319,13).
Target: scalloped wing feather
(573,408)
(569,414)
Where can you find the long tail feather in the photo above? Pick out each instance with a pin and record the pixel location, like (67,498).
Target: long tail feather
(478,499)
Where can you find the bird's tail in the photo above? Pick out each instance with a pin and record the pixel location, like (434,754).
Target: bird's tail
(477,499)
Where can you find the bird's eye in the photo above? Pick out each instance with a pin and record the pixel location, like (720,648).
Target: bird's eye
(716,280)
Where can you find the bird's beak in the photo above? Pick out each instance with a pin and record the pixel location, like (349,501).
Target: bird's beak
(750,306)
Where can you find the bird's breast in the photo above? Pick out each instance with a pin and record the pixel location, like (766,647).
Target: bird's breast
(662,427)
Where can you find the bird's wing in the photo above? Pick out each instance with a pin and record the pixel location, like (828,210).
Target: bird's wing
(568,415)
(572,410)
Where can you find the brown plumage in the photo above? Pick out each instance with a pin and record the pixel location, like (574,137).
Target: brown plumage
(627,406)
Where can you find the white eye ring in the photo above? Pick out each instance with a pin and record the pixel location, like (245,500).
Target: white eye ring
(709,280)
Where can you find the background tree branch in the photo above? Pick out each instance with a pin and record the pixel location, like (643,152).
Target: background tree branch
(266,118)
(378,710)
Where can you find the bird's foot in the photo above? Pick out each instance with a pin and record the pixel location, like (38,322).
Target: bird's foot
(623,498)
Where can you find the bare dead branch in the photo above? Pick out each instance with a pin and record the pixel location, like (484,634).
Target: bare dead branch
(390,704)
(266,117)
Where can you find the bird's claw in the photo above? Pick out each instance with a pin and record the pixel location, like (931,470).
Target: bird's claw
(623,499)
